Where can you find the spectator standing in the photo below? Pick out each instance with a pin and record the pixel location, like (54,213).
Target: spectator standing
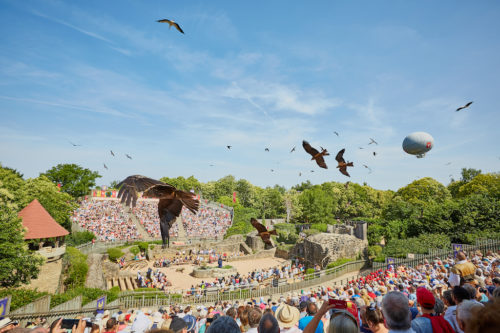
(311,309)
(397,313)
(254,317)
(288,318)
(429,322)
(462,272)
(466,311)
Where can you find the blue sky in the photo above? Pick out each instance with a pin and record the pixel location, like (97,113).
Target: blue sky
(251,74)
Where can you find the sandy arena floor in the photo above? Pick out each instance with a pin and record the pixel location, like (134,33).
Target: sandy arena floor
(185,281)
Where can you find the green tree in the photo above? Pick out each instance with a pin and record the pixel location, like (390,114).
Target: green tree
(488,183)
(245,192)
(18,265)
(74,180)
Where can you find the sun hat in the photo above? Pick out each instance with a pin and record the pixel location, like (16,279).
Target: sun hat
(5,321)
(287,316)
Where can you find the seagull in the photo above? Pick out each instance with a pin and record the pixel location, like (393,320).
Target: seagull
(373,141)
(366,166)
(316,155)
(170,24)
(228,147)
(105,167)
(267,149)
(128,156)
(342,164)
(463,107)
(336,133)
(448,163)
(74,144)
(112,153)
(293,149)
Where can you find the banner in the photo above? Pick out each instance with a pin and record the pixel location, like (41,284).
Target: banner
(390,261)
(4,306)
(456,248)
(101,302)
(234,197)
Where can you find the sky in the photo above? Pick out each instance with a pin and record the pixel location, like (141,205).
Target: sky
(250,74)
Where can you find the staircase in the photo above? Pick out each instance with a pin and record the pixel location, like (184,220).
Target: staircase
(140,228)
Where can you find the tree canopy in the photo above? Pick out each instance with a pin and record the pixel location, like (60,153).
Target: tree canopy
(74,180)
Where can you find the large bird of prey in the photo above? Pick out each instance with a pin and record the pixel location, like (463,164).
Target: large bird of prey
(169,206)
(336,133)
(128,156)
(367,167)
(316,155)
(263,232)
(112,153)
(229,147)
(267,149)
(342,166)
(170,24)
(463,107)
(293,149)
(74,144)
(105,166)
(373,141)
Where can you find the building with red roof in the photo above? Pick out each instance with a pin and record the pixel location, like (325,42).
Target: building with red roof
(42,231)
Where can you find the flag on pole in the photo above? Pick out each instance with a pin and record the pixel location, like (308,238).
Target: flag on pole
(456,248)
(234,197)
(101,302)
(4,306)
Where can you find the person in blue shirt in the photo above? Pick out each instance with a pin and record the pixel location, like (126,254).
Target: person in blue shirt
(220,262)
(311,311)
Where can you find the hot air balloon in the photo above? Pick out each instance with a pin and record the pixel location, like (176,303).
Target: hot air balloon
(418,143)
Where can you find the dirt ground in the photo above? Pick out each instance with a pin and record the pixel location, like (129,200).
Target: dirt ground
(48,278)
(185,281)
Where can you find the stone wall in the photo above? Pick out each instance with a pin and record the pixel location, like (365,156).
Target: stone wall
(270,253)
(320,249)
(213,272)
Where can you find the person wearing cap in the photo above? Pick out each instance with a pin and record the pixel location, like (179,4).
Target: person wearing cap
(288,318)
(429,322)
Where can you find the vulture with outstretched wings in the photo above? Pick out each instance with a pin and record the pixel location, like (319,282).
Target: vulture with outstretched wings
(263,232)
(170,24)
(169,206)
(342,165)
(316,155)
(463,107)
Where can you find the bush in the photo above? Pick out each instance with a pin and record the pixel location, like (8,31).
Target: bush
(143,246)
(321,227)
(227,267)
(399,248)
(115,254)
(76,273)
(21,297)
(374,251)
(310,271)
(134,250)
(79,237)
(310,232)
(285,228)
(338,262)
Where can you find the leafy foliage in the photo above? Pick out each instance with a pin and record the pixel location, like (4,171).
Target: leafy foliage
(115,254)
(76,273)
(143,246)
(310,232)
(338,262)
(134,250)
(74,180)
(79,237)
(20,296)
(401,247)
(88,295)
(321,227)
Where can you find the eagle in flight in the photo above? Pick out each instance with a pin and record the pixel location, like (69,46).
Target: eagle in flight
(169,206)
(342,166)
(171,23)
(316,155)
(463,107)
(263,232)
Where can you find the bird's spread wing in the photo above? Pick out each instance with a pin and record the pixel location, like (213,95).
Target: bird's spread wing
(259,226)
(164,21)
(340,156)
(309,149)
(130,186)
(174,206)
(321,162)
(178,27)
(343,171)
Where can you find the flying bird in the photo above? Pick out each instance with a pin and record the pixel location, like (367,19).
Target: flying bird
(112,153)
(272,170)
(229,147)
(373,141)
(267,149)
(264,234)
(336,133)
(347,185)
(105,167)
(463,107)
(448,163)
(74,144)
(361,148)
(342,166)
(171,200)
(316,155)
(293,149)
(312,170)
(300,174)
(170,24)
(211,165)
(374,154)
(366,166)
(128,156)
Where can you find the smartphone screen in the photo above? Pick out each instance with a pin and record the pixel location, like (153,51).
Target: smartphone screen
(69,323)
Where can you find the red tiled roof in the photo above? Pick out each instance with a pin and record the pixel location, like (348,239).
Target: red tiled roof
(38,222)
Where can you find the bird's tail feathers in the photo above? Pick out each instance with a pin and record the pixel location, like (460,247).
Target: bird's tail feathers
(273,232)
(350,164)
(188,199)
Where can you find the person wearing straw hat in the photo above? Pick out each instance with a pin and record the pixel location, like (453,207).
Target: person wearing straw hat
(288,318)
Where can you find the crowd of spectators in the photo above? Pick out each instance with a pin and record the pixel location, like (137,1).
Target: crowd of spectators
(209,222)
(195,257)
(146,212)
(449,295)
(106,219)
